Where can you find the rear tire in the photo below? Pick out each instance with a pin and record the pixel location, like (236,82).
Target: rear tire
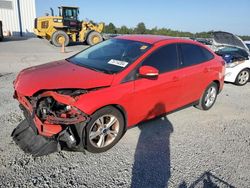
(243,77)
(94,38)
(104,130)
(208,98)
(57,36)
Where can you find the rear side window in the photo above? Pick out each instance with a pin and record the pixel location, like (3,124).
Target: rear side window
(164,59)
(192,54)
(208,55)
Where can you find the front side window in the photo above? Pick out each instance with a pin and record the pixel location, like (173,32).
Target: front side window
(164,59)
(194,54)
(110,56)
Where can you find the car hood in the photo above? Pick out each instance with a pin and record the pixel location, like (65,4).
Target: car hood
(59,75)
(221,38)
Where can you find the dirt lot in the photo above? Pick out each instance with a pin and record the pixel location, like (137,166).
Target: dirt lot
(189,148)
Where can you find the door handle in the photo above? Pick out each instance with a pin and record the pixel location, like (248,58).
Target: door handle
(206,70)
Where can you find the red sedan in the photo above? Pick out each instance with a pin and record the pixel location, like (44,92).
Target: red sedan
(89,100)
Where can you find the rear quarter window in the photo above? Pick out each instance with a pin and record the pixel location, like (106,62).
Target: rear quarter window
(192,54)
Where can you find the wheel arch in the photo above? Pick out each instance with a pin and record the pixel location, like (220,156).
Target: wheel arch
(88,32)
(217,82)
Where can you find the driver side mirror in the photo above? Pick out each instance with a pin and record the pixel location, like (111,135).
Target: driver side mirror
(148,72)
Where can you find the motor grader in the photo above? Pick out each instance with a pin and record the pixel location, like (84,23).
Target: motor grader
(66,27)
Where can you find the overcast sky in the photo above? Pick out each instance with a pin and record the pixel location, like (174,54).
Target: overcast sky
(185,15)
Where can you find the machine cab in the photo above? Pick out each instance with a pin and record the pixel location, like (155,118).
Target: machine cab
(69,15)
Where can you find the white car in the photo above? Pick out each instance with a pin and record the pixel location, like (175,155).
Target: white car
(248,44)
(236,55)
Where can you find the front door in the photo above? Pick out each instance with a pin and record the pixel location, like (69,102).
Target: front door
(155,96)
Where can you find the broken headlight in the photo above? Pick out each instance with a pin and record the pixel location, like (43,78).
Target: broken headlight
(50,111)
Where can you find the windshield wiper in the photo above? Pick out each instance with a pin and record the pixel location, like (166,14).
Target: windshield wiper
(89,67)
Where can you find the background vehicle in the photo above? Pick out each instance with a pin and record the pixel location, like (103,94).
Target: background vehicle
(1,31)
(105,88)
(66,27)
(204,41)
(248,44)
(236,54)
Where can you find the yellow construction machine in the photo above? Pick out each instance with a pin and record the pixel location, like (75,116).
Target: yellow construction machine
(66,27)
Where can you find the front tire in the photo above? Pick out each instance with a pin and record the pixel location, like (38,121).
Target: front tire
(104,130)
(243,77)
(58,37)
(208,98)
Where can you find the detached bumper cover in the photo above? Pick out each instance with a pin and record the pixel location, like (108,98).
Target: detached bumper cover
(30,142)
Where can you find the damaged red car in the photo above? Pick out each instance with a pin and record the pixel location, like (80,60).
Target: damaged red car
(88,101)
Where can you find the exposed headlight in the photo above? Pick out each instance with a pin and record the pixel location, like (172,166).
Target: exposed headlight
(231,65)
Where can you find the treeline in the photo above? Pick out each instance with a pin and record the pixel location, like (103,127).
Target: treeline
(141,29)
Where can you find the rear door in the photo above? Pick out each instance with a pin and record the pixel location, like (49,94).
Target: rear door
(195,68)
(159,95)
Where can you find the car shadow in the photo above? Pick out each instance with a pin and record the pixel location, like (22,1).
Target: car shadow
(77,44)
(207,180)
(152,156)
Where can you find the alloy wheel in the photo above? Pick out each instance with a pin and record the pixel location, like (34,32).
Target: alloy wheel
(210,96)
(243,77)
(104,131)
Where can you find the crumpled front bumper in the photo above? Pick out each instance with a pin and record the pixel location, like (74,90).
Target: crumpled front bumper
(26,136)
(42,138)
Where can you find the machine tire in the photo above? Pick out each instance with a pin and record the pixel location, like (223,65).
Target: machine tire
(104,123)
(94,38)
(243,77)
(210,94)
(56,37)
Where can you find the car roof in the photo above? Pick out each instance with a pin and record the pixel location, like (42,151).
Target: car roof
(151,39)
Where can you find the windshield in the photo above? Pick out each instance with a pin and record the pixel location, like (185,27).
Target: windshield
(70,13)
(110,56)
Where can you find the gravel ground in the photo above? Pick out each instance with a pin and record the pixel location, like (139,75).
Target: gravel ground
(189,148)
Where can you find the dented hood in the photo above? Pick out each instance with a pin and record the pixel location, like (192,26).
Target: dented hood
(221,38)
(59,75)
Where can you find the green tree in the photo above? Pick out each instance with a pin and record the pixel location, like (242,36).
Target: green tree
(110,28)
(124,30)
(140,28)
